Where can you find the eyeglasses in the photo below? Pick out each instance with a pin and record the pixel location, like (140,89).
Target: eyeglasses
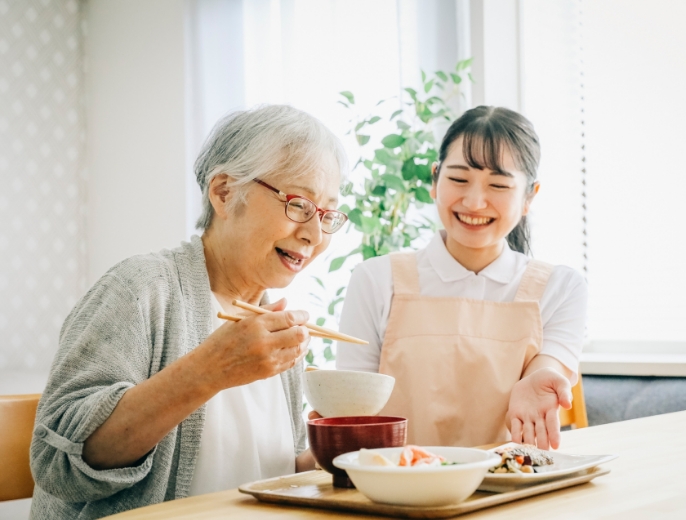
(300,209)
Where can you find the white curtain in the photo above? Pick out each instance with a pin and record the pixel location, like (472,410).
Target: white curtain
(603,82)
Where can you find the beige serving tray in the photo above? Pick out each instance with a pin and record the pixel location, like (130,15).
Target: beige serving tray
(315,489)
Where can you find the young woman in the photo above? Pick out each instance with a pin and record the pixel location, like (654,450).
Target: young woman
(480,338)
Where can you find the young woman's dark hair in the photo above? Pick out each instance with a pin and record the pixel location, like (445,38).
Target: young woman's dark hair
(486,133)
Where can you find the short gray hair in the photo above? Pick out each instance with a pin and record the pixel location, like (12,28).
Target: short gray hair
(266,142)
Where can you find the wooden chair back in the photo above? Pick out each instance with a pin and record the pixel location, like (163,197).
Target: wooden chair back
(576,416)
(17,417)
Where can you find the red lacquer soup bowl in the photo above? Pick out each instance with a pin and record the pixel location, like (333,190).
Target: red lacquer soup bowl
(332,436)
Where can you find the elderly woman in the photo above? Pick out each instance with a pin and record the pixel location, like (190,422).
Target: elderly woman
(151,397)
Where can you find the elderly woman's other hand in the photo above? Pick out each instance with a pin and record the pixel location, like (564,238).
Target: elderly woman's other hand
(257,347)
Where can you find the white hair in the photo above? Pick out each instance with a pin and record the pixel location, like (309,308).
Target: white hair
(273,141)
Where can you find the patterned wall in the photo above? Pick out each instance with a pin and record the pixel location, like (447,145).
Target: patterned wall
(42,182)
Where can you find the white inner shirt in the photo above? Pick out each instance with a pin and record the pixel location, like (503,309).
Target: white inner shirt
(247,434)
(368,301)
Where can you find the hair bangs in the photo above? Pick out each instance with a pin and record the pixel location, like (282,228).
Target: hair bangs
(484,144)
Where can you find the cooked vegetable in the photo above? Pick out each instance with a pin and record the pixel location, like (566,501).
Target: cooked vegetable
(521,459)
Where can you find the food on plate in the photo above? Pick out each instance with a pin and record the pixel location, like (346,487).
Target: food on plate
(373,458)
(521,459)
(410,456)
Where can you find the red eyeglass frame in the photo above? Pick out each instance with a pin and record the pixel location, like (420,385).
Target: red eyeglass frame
(321,212)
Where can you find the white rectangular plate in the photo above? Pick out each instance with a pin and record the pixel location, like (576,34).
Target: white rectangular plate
(563,466)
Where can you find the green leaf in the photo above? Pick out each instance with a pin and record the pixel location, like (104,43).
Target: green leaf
(392,140)
(344,208)
(403,125)
(423,173)
(393,182)
(428,86)
(360,125)
(332,307)
(422,195)
(309,357)
(337,263)
(346,188)
(319,281)
(327,341)
(379,190)
(384,156)
(411,232)
(411,147)
(344,104)
(442,75)
(463,64)
(469,75)
(368,164)
(340,290)
(349,96)
(457,79)
(321,321)
(362,139)
(370,225)
(409,170)
(423,76)
(412,92)
(368,252)
(328,354)
(374,119)
(355,216)
(396,114)
(431,155)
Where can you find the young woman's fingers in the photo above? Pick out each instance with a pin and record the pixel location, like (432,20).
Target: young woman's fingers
(528,433)
(563,389)
(516,430)
(541,434)
(552,423)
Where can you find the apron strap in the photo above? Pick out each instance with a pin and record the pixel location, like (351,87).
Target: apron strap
(405,275)
(534,281)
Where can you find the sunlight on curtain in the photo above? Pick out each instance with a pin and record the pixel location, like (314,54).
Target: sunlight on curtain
(551,99)
(634,77)
(635,106)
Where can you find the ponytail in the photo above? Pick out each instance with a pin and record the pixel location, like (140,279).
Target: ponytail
(519,238)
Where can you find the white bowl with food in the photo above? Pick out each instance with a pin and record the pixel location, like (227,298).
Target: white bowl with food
(344,393)
(449,478)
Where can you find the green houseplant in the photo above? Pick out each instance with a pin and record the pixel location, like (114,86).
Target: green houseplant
(397,175)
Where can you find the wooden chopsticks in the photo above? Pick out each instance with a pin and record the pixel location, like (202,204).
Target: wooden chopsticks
(315,330)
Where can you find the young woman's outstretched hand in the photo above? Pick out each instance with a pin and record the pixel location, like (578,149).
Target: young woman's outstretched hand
(533,414)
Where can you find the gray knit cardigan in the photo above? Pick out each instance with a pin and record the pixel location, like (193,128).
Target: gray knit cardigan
(138,318)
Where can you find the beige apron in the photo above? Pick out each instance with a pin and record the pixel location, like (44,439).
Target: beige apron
(455,360)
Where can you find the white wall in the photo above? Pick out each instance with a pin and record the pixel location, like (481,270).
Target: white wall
(136,124)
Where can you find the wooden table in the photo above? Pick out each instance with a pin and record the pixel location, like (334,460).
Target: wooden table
(648,480)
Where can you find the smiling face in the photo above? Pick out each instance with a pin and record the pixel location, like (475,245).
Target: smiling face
(259,246)
(479,207)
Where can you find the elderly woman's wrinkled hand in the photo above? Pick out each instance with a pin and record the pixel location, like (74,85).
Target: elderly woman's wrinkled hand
(257,347)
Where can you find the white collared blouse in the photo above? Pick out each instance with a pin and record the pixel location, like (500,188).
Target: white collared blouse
(368,301)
